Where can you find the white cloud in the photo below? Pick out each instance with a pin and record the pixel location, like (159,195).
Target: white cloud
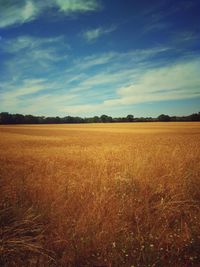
(112,68)
(19,12)
(29,11)
(109,80)
(74,6)
(117,59)
(178,81)
(31,55)
(23,42)
(27,88)
(40,105)
(94,60)
(166,80)
(175,82)
(33,96)
(94,34)
(11,97)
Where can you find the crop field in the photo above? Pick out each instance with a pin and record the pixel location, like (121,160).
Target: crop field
(109,195)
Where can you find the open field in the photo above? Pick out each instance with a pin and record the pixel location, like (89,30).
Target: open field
(111,195)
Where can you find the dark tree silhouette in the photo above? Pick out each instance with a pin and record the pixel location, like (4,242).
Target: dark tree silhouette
(195,117)
(105,118)
(7,118)
(130,118)
(164,117)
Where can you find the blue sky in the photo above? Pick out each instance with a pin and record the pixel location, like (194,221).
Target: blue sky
(93,57)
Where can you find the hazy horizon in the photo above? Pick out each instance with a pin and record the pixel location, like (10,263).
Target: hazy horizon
(93,57)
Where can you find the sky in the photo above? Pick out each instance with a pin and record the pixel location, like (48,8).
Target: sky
(94,57)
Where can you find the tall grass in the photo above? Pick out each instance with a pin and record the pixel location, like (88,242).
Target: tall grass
(100,195)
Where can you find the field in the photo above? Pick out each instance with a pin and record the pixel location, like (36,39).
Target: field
(124,195)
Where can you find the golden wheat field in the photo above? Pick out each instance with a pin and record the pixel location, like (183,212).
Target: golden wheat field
(124,195)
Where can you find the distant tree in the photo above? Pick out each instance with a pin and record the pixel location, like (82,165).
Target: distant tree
(164,117)
(195,117)
(50,120)
(110,119)
(6,118)
(105,118)
(70,119)
(174,118)
(130,118)
(78,120)
(57,119)
(18,118)
(96,119)
(41,119)
(141,119)
(30,119)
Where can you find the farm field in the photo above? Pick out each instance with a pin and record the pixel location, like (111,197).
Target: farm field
(113,195)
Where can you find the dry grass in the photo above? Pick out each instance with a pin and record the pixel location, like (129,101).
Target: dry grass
(100,195)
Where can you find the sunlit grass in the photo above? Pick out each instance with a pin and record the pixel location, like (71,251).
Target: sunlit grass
(100,195)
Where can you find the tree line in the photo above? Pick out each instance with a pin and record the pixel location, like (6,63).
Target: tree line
(7,118)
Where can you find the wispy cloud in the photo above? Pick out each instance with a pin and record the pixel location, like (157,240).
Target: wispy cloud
(19,12)
(23,42)
(94,60)
(94,34)
(44,102)
(32,96)
(64,87)
(165,83)
(157,84)
(182,38)
(76,6)
(117,60)
(26,52)
(91,84)
(161,16)
(11,97)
